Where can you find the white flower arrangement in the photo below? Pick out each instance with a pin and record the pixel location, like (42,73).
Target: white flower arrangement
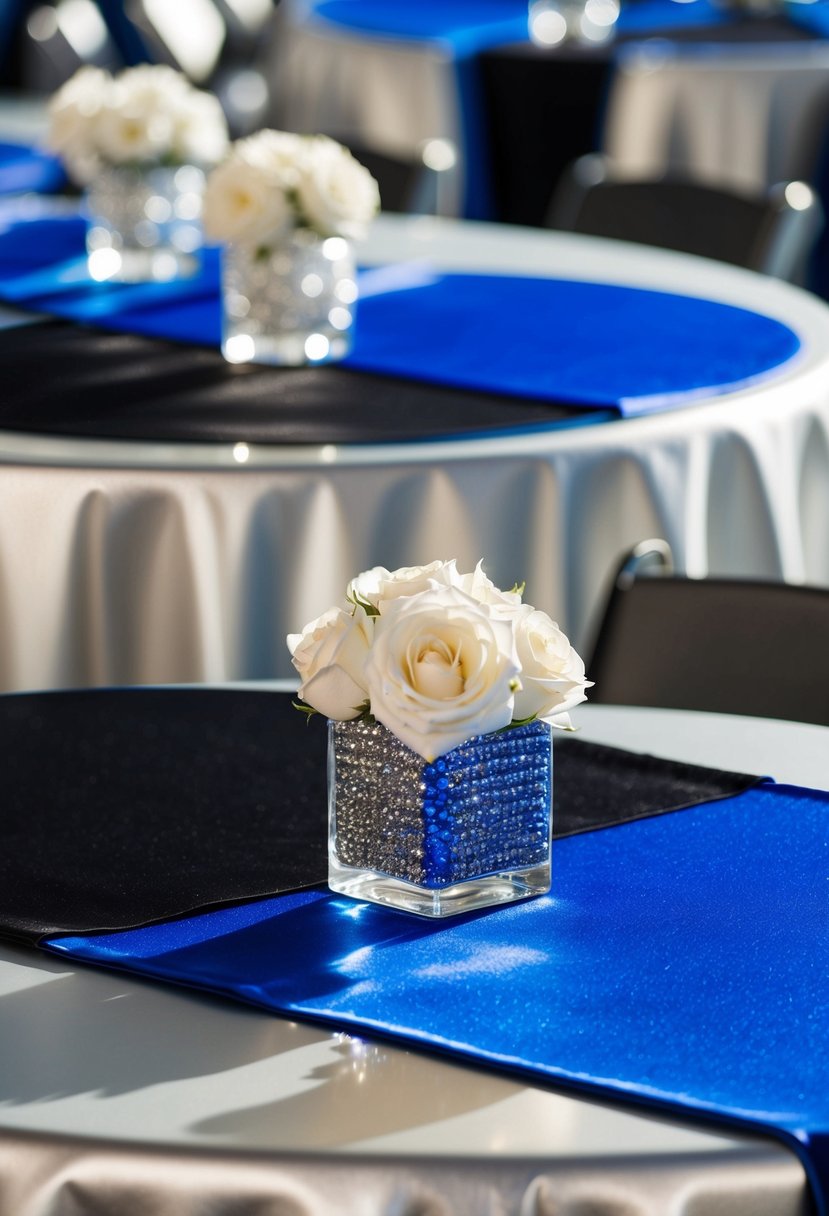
(437,657)
(274,181)
(145,116)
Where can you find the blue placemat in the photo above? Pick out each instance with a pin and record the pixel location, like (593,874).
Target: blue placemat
(587,344)
(680,962)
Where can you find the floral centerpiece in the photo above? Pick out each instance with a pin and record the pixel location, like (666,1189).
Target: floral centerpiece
(286,207)
(139,142)
(145,116)
(441,691)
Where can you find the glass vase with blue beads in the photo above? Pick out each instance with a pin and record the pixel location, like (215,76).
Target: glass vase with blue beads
(469,830)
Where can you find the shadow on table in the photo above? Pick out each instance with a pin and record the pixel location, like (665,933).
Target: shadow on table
(83,1032)
(364,1104)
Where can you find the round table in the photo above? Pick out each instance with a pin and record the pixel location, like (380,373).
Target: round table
(126,1096)
(128,562)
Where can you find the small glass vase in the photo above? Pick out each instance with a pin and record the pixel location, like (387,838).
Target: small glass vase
(289,304)
(468,831)
(144,223)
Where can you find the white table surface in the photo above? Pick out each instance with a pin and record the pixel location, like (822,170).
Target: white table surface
(94,1062)
(132,563)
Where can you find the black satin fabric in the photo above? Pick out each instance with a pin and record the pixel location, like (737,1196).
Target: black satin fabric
(597,786)
(122,807)
(65,379)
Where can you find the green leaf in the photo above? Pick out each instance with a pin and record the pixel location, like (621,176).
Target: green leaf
(368,608)
(516,722)
(308,710)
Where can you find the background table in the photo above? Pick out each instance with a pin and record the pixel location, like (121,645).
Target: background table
(140,1098)
(746,116)
(132,562)
(737,99)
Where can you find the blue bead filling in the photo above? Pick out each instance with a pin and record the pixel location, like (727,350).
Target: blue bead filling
(487,805)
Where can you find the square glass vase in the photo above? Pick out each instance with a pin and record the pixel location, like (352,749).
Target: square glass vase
(144,223)
(469,830)
(291,303)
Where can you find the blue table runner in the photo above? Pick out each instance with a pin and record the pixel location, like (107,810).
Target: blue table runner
(23,169)
(587,344)
(679,962)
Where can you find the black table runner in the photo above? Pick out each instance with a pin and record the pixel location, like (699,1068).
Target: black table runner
(69,380)
(123,807)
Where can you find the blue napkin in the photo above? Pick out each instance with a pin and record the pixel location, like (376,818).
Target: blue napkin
(680,961)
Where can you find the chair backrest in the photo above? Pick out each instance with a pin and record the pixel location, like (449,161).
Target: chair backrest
(408,184)
(722,645)
(773,232)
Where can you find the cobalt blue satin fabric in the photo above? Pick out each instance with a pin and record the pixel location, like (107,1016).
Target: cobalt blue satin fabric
(584,343)
(680,961)
(587,344)
(463,26)
(468,27)
(23,168)
(33,236)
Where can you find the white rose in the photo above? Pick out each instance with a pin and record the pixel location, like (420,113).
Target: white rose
(336,194)
(378,584)
(481,587)
(131,130)
(277,153)
(242,203)
(329,655)
(73,111)
(153,85)
(442,669)
(199,129)
(552,674)
(139,120)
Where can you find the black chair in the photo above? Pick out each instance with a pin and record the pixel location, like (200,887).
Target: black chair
(724,645)
(774,232)
(407,184)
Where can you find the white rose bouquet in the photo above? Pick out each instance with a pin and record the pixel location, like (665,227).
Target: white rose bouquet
(273,181)
(437,657)
(145,116)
